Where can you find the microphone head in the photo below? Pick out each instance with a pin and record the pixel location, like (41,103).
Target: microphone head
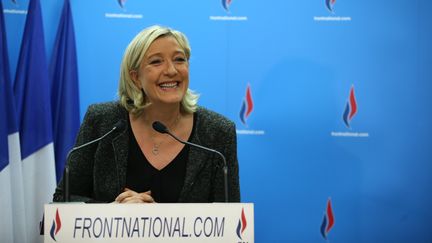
(120,125)
(159,127)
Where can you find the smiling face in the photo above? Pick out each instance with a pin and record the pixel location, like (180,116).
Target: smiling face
(164,72)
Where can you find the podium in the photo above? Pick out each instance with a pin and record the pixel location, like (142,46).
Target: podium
(170,222)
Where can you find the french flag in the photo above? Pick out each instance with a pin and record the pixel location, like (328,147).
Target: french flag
(32,97)
(12,210)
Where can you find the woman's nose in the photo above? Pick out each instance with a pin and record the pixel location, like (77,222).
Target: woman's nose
(170,69)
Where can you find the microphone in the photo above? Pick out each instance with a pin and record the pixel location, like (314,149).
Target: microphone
(120,125)
(161,128)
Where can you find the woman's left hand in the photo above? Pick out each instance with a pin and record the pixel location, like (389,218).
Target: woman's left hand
(129,196)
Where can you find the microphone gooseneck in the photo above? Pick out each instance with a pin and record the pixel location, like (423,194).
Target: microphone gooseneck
(120,125)
(161,128)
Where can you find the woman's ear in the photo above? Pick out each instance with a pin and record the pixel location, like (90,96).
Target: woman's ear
(134,76)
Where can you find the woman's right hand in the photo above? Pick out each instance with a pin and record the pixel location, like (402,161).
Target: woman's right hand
(130,196)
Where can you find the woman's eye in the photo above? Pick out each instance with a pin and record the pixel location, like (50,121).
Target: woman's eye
(155,61)
(180,59)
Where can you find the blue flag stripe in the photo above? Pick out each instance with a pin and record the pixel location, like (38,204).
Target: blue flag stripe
(65,94)
(8,124)
(4,80)
(32,87)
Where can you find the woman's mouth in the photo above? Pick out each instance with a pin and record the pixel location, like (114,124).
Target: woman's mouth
(169,85)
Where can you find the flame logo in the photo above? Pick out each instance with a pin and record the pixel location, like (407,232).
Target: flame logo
(241,225)
(56,226)
(350,108)
(247,106)
(121,3)
(328,220)
(330,5)
(226,4)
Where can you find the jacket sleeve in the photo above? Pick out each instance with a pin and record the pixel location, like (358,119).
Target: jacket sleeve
(80,163)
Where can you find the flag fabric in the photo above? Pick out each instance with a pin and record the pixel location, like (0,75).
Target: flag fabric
(6,127)
(12,211)
(65,93)
(32,95)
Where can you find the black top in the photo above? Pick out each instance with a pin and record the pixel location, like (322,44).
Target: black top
(165,184)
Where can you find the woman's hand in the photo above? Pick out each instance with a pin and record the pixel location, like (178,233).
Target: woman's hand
(129,196)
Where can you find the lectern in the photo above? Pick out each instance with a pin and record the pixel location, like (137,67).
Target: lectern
(176,222)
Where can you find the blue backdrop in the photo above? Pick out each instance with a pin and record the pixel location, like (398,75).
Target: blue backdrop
(300,60)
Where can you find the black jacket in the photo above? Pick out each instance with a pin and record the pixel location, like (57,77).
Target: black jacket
(98,172)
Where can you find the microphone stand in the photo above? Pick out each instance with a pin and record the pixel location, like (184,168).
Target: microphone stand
(66,192)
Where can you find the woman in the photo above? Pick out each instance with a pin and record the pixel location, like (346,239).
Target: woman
(138,164)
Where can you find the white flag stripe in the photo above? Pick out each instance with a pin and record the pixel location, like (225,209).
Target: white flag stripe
(6,228)
(17,189)
(39,172)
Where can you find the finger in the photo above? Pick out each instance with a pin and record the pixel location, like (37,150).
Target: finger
(146,198)
(132,200)
(137,199)
(124,195)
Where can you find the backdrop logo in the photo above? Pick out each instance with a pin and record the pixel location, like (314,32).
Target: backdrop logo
(328,220)
(226,4)
(247,106)
(56,226)
(124,14)
(350,108)
(121,3)
(330,5)
(241,225)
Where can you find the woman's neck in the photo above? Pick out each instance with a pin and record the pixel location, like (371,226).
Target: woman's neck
(167,114)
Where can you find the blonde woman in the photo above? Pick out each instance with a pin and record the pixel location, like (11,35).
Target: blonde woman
(138,164)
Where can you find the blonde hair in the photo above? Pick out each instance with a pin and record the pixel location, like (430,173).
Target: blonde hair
(131,97)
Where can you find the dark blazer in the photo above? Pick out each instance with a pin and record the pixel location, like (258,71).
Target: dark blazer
(98,172)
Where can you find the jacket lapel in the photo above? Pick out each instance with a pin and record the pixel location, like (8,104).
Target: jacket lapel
(121,147)
(196,160)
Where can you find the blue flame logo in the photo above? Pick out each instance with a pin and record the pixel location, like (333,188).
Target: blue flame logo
(56,226)
(330,5)
(226,4)
(121,3)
